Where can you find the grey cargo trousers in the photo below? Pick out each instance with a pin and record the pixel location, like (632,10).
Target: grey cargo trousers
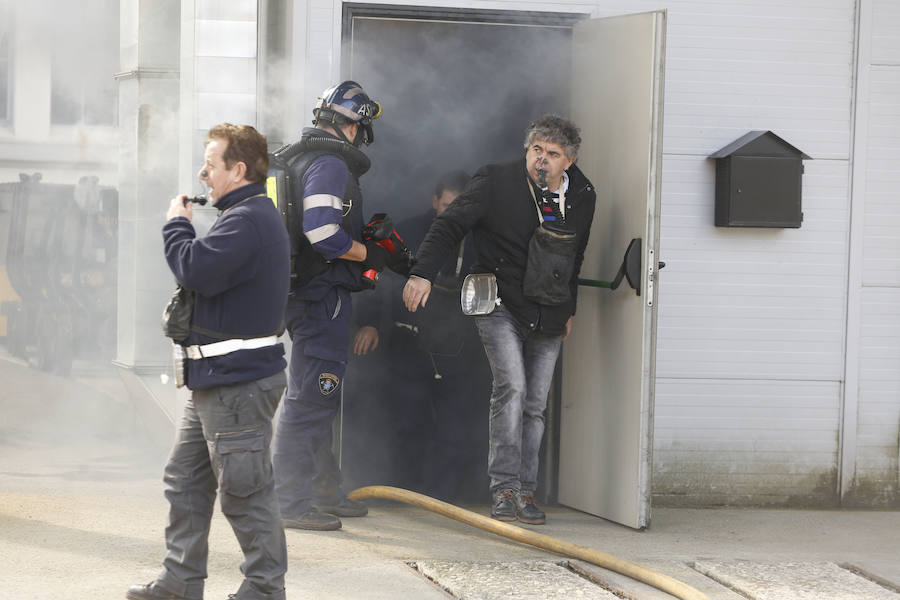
(223,440)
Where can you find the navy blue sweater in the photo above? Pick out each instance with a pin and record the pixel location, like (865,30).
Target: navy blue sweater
(240,272)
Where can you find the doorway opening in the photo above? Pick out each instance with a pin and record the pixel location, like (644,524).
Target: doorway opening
(458,90)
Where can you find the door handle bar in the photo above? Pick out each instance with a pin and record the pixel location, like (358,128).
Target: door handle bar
(629,270)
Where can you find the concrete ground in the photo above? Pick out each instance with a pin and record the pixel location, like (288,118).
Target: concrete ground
(82,517)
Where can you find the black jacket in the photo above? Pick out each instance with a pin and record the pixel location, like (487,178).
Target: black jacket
(441,327)
(499,209)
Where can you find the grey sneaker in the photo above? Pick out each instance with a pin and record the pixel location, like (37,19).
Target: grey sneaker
(313,520)
(527,509)
(504,507)
(345,507)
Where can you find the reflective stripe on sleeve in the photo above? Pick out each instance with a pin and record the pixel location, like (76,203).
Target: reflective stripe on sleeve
(322,233)
(322,201)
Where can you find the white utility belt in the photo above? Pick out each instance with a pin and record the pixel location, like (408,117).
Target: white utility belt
(196,352)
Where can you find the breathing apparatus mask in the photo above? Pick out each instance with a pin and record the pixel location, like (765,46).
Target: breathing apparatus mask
(548,197)
(549,207)
(540,165)
(203,197)
(348,102)
(200,199)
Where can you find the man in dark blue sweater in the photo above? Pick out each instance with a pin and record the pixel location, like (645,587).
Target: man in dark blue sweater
(239,273)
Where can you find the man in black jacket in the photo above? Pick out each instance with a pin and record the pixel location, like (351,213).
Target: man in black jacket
(503,206)
(239,272)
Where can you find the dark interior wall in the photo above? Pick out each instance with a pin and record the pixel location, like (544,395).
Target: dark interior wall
(456,95)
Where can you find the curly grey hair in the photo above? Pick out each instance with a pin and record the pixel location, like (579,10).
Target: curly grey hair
(557,130)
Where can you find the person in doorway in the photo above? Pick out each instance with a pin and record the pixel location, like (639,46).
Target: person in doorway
(239,273)
(530,219)
(437,367)
(329,263)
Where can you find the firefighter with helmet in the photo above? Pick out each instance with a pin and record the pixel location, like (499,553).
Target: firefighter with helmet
(329,258)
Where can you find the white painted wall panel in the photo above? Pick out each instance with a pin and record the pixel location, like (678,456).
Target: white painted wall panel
(751,321)
(741,303)
(886,31)
(224,63)
(233,10)
(878,430)
(226,38)
(745,442)
(323,62)
(225,74)
(881,245)
(732,67)
(219,107)
(872,401)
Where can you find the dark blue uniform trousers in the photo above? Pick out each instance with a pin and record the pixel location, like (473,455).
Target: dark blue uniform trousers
(320,332)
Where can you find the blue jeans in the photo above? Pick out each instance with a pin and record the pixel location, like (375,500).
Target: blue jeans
(522,362)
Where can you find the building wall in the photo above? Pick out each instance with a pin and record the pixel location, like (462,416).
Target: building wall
(218,74)
(29,139)
(778,362)
(873,380)
(753,323)
(777,379)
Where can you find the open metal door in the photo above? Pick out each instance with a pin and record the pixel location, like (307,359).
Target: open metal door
(608,367)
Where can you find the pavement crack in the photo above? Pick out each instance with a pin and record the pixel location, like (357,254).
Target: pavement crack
(866,574)
(584,574)
(415,566)
(721,581)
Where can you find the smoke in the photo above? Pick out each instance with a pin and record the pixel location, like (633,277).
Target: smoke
(455,95)
(58,240)
(61,58)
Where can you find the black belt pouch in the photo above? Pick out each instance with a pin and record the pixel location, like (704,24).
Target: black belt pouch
(551,262)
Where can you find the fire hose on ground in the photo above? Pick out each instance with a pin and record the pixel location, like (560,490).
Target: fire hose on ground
(545,542)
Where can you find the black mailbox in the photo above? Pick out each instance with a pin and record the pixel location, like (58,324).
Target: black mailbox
(758,178)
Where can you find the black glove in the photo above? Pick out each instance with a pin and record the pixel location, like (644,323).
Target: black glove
(400,263)
(376,256)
